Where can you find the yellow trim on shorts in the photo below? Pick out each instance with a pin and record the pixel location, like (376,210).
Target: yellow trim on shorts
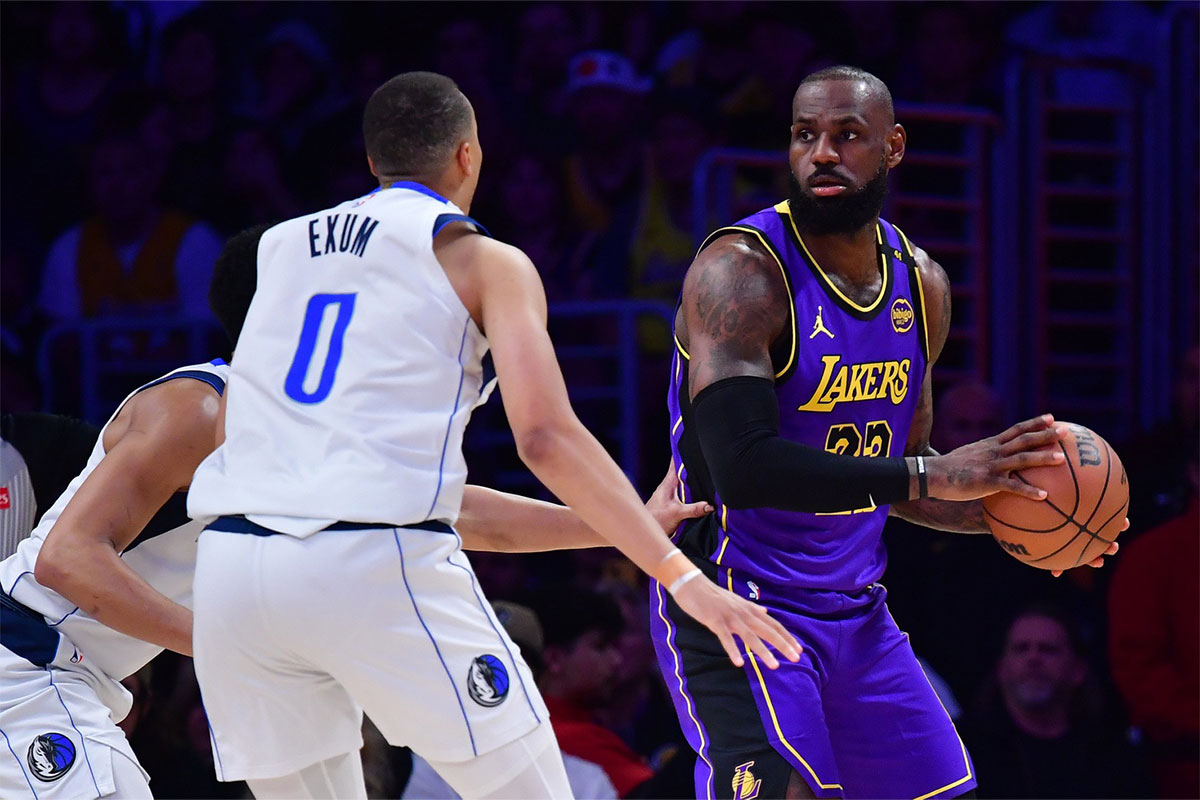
(675,427)
(884,291)
(687,699)
(721,554)
(779,731)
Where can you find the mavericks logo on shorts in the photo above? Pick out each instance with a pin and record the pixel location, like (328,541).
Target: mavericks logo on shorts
(487,681)
(50,756)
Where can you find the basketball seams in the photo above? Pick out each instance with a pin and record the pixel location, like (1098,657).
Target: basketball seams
(1108,459)
(1088,527)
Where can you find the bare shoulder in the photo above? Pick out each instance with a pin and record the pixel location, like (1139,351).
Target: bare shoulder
(735,305)
(474,262)
(176,416)
(734,286)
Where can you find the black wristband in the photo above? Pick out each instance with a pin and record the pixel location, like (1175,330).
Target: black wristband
(922,478)
(752,466)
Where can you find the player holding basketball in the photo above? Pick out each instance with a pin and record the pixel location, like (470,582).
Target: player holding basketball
(331,580)
(806,335)
(104,583)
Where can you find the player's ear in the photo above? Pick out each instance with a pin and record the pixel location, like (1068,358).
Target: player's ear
(896,140)
(463,157)
(371,164)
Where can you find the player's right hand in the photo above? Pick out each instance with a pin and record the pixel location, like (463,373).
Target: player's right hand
(664,505)
(985,467)
(727,615)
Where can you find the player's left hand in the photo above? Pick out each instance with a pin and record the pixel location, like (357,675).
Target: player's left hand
(665,507)
(1099,560)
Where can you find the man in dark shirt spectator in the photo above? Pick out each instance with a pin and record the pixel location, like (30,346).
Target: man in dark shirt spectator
(1035,735)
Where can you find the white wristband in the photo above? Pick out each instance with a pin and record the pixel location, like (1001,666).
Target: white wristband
(682,580)
(675,551)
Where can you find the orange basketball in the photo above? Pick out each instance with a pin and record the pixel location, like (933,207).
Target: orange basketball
(1085,508)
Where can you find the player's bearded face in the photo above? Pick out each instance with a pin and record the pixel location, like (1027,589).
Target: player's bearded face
(843,213)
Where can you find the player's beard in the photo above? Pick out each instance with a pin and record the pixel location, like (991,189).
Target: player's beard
(844,213)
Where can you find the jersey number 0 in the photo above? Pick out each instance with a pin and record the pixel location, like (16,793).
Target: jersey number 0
(314,326)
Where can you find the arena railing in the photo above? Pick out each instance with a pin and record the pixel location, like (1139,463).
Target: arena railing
(1086,287)
(86,367)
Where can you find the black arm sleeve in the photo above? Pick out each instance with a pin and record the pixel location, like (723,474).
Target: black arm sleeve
(752,466)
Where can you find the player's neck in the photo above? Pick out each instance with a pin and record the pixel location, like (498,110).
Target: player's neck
(456,193)
(853,255)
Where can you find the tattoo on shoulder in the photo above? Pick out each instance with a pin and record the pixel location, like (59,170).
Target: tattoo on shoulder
(739,296)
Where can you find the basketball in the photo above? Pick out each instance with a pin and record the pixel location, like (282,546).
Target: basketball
(1084,510)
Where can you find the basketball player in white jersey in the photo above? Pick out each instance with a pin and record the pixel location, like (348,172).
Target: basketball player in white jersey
(330,579)
(104,583)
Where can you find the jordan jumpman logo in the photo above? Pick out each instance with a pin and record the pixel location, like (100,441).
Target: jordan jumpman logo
(819,326)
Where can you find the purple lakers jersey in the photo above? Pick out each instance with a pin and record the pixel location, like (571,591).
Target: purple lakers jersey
(848,378)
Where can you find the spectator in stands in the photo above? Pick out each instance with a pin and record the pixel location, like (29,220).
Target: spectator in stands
(1037,732)
(55,107)
(1154,643)
(581,669)
(192,77)
(588,780)
(606,169)
(547,36)
(532,216)
(131,255)
(296,83)
(663,242)
(252,180)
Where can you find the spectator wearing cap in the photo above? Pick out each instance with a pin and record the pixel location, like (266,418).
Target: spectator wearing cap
(588,781)
(604,98)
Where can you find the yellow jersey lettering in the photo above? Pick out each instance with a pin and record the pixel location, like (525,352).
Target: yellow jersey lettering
(846,383)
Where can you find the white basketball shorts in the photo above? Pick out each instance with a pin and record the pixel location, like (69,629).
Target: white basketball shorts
(295,638)
(57,739)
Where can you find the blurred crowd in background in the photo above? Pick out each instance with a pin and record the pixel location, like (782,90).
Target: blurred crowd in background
(137,136)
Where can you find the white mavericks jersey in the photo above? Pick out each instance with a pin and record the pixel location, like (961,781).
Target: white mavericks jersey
(163,554)
(354,376)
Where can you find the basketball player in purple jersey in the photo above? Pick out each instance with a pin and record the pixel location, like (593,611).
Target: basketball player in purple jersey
(800,408)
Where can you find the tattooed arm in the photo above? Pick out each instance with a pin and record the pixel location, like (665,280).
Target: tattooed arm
(735,305)
(946,515)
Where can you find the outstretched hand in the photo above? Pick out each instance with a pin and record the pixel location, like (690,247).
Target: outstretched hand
(727,615)
(985,467)
(667,509)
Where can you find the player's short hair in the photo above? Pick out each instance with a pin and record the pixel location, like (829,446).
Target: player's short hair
(843,72)
(234,279)
(413,122)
